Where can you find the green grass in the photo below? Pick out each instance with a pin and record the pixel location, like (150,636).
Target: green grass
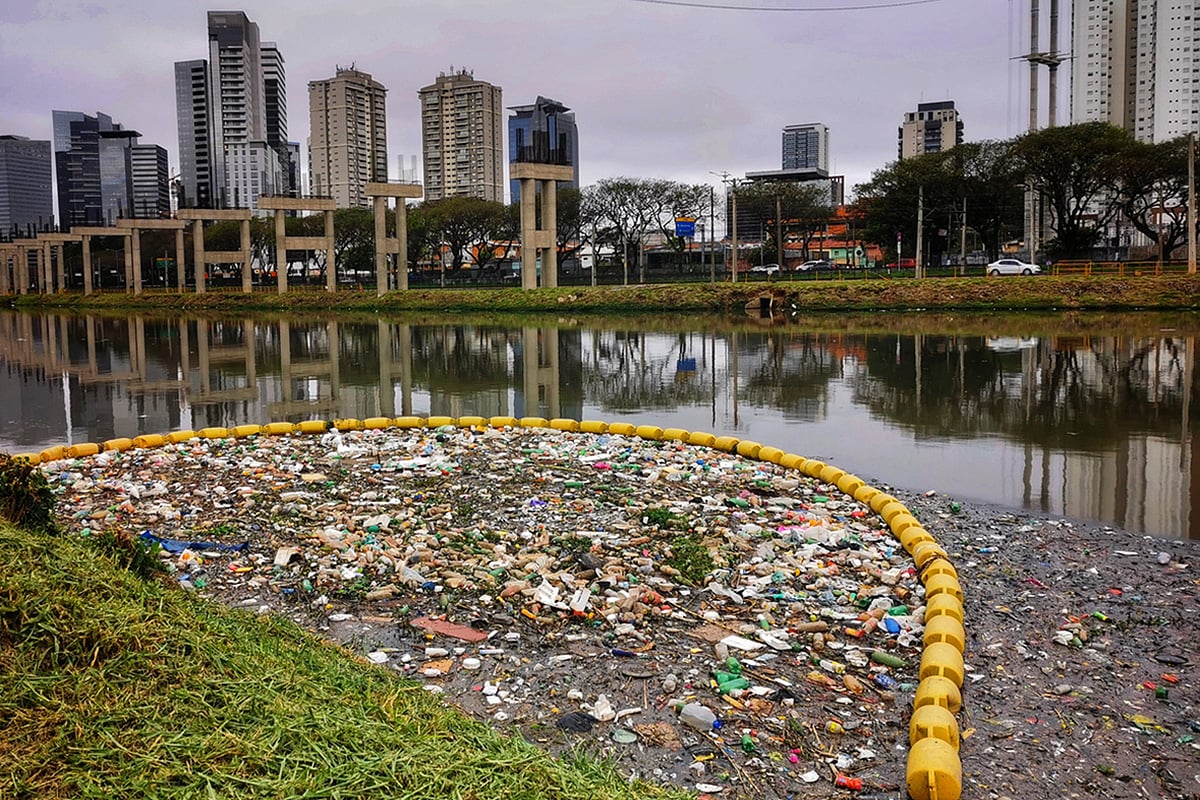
(115,686)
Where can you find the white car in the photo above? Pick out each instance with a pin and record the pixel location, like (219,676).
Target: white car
(767,269)
(1012,266)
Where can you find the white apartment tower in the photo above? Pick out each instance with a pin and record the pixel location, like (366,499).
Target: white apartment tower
(347,146)
(462,138)
(1136,65)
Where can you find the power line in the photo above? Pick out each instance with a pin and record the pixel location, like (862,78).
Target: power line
(792,9)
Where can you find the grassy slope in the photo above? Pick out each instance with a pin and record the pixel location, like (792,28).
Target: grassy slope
(116,687)
(1174,292)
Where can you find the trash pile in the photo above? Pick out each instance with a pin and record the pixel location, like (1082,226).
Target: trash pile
(701,619)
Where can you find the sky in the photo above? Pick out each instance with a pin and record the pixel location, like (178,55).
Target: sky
(659,89)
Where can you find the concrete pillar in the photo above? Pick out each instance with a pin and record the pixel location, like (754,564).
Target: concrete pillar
(281,262)
(87,264)
(550,223)
(202,355)
(387,390)
(251,363)
(62,266)
(330,265)
(137,347)
(381,245)
(127,250)
(135,247)
(179,260)
(247,282)
(529,363)
(21,270)
(406,379)
(528,230)
(45,285)
(4,281)
(401,245)
(200,267)
(550,339)
(335,373)
(285,362)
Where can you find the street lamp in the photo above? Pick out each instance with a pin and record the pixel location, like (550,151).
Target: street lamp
(731,182)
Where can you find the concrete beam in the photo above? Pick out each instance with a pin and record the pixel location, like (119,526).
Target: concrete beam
(305,243)
(214,214)
(223,257)
(395,190)
(542,239)
(152,224)
(541,172)
(59,237)
(297,204)
(80,230)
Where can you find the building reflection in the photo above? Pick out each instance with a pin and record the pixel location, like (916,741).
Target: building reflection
(1095,427)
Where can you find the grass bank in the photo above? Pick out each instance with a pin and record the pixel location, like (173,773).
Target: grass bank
(115,686)
(1043,293)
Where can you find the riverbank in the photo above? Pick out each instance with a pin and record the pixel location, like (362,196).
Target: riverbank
(1068,650)
(1042,293)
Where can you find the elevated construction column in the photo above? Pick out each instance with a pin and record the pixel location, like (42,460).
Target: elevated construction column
(53,244)
(45,270)
(533,238)
(85,234)
(198,216)
(6,261)
(381,194)
(283,242)
(134,227)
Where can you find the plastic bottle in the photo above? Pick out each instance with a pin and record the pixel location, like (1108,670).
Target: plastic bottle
(846,782)
(697,717)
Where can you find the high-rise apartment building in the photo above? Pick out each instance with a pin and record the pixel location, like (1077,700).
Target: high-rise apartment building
(347,145)
(102,173)
(543,133)
(232,116)
(806,147)
(932,128)
(462,137)
(26,192)
(1136,65)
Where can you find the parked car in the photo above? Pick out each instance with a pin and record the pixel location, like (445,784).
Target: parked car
(765,269)
(819,265)
(1012,266)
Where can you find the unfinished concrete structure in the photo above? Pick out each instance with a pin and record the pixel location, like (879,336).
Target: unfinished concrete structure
(283,242)
(134,251)
(532,177)
(202,258)
(381,194)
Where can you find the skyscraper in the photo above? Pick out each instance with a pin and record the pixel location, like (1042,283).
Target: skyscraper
(1136,65)
(232,116)
(26,193)
(806,147)
(462,138)
(543,133)
(932,128)
(347,146)
(94,163)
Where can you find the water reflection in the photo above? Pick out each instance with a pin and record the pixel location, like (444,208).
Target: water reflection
(1091,425)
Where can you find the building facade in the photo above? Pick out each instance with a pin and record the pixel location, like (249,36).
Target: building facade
(1136,65)
(543,133)
(806,147)
(26,189)
(932,128)
(347,146)
(462,137)
(103,173)
(232,105)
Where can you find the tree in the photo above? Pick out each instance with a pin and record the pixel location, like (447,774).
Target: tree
(466,225)
(1153,194)
(631,207)
(800,209)
(1077,169)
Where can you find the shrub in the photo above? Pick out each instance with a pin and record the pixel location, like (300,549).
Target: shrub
(26,499)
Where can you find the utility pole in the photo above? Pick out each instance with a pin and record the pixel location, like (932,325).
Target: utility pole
(1191,217)
(733,234)
(779,232)
(918,264)
(712,232)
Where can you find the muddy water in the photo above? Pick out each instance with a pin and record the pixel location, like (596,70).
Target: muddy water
(1087,416)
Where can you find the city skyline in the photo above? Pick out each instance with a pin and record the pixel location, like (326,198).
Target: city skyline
(655,104)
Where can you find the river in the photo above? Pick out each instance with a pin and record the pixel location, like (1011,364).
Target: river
(1084,416)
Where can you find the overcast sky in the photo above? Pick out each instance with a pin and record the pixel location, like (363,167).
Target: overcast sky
(659,90)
